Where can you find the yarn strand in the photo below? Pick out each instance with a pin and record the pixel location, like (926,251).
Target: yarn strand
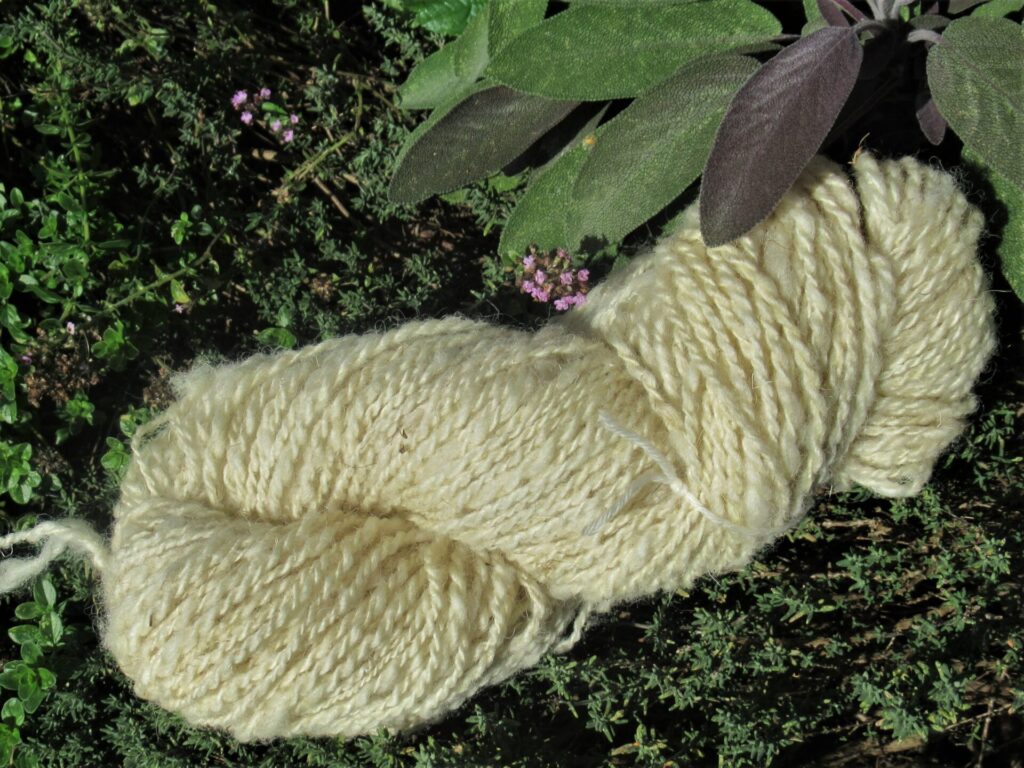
(668,477)
(57,537)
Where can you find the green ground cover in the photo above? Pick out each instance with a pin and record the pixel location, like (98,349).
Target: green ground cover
(144,224)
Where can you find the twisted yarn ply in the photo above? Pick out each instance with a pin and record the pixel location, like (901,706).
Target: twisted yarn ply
(365,532)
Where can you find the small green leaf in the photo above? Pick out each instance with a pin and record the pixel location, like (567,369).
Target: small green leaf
(27,683)
(56,627)
(46,678)
(25,633)
(31,653)
(116,457)
(13,710)
(178,295)
(274,109)
(976,76)
(28,611)
(277,337)
(9,679)
(10,320)
(812,13)
(43,591)
(655,148)
(34,699)
(598,51)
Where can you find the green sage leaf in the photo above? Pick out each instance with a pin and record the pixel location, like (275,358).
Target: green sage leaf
(545,215)
(593,52)
(976,76)
(993,9)
(450,70)
(447,17)
(507,19)
(655,148)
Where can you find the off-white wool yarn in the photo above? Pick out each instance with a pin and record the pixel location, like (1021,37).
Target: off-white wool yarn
(365,532)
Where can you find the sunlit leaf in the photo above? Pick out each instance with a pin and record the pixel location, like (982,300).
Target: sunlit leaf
(995,8)
(610,50)
(450,70)
(447,17)
(976,76)
(654,149)
(507,19)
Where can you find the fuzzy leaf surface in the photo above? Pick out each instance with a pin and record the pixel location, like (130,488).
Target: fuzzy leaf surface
(976,76)
(545,215)
(447,17)
(598,51)
(471,139)
(507,19)
(655,148)
(994,9)
(449,70)
(773,128)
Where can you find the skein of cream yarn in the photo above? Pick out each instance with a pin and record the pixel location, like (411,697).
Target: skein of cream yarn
(367,531)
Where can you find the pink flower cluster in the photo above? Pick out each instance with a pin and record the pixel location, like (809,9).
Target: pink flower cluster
(242,102)
(548,276)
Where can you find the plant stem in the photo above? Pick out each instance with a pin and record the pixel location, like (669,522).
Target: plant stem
(79,175)
(109,308)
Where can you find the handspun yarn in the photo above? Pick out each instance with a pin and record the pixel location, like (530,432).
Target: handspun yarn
(366,531)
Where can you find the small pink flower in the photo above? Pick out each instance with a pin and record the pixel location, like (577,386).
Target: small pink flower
(562,253)
(580,299)
(239,99)
(540,276)
(293,119)
(70,328)
(26,359)
(288,136)
(529,288)
(179,308)
(264,93)
(528,262)
(565,278)
(562,304)
(247,117)
(541,295)
(583,275)
(275,126)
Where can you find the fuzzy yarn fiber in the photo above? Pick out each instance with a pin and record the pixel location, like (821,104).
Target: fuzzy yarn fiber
(367,531)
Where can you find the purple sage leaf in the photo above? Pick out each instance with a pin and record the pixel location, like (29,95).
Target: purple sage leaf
(933,124)
(774,126)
